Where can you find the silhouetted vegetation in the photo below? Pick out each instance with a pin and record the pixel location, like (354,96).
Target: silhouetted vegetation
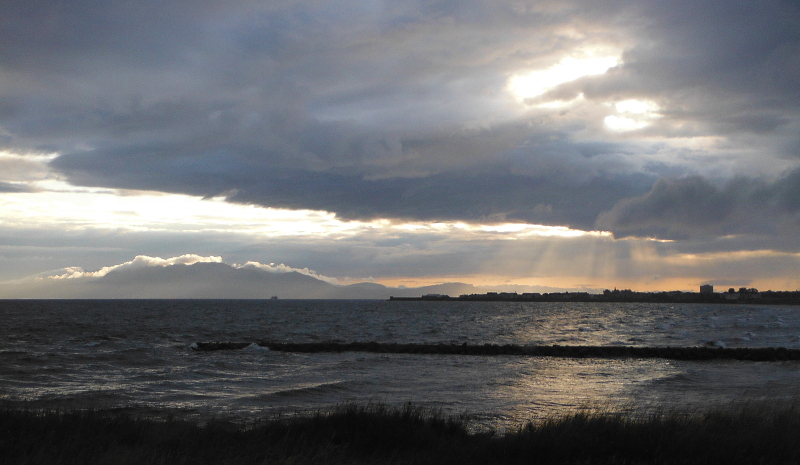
(760,354)
(377,434)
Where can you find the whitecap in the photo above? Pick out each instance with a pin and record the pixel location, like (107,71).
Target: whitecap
(255,347)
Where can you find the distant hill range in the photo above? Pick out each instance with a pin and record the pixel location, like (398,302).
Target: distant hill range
(205,280)
(213,281)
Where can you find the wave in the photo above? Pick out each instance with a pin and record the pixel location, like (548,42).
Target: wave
(212,346)
(254,347)
(309,389)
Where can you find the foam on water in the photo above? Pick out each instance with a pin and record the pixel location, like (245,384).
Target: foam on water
(256,348)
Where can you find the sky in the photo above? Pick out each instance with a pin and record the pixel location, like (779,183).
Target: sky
(561,145)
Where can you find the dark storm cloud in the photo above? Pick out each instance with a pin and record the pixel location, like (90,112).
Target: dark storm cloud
(389,109)
(496,193)
(511,189)
(694,207)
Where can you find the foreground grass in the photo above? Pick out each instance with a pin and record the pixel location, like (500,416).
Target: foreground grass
(357,434)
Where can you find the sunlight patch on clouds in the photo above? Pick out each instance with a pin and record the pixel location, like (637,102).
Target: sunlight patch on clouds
(33,157)
(736,255)
(632,115)
(495,231)
(55,204)
(522,230)
(80,208)
(562,104)
(536,83)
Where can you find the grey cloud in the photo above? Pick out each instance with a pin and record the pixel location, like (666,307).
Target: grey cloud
(508,171)
(14,187)
(728,67)
(787,192)
(22,170)
(546,193)
(693,207)
(43,34)
(373,109)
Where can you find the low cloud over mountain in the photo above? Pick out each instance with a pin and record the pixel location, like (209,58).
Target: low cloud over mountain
(192,276)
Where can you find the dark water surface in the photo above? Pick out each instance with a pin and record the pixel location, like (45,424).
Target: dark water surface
(136,354)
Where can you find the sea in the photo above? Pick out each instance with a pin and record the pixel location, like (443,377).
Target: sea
(137,356)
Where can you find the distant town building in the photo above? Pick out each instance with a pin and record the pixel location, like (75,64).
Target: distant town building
(706,289)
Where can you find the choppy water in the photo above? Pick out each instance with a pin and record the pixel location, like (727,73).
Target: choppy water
(136,354)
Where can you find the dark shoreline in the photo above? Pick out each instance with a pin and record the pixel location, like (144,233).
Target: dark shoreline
(765,354)
(624,296)
(377,434)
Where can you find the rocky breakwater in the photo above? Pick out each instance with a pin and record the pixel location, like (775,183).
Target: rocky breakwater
(765,354)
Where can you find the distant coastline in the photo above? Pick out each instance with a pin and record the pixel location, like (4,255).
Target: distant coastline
(742,296)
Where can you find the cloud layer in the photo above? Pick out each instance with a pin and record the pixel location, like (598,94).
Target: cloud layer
(403,141)
(403,109)
(693,207)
